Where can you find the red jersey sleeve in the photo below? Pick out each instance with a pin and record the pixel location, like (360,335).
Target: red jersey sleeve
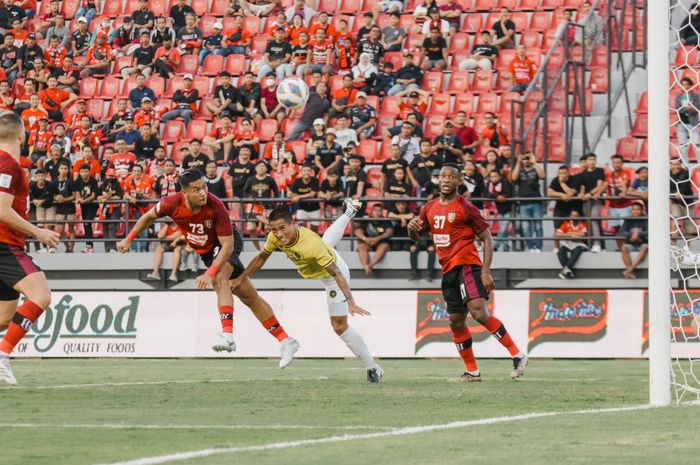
(474,218)
(222,223)
(167,205)
(423,216)
(10,175)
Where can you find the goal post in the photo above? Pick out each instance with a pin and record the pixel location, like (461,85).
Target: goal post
(658,68)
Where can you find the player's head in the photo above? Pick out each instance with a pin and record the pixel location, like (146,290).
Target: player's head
(11,129)
(193,186)
(282,226)
(450,179)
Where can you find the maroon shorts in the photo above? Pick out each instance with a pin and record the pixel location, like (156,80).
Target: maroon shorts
(460,285)
(15,265)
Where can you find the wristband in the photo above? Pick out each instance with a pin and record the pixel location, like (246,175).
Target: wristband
(211,271)
(132,235)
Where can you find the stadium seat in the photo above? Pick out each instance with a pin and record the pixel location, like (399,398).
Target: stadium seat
(68,8)
(556,150)
(550,4)
(395,58)
(159,7)
(189,64)
(408,22)
(329,6)
(473,24)
(643,104)
(350,7)
(122,62)
(459,41)
(539,21)
(413,42)
(203,112)
(433,127)
(235,64)
(557,101)
(95,108)
(109,88)
(529,5)
(439,105)
(130,7)
(599,58)
(627,147)
(173,131)
(521,20)
(483,81)
(156,84)
(267,129)
(176,153)
(299,149)
(506,99)
(252,24)
(88,88)
(588,102)
(200,7)
(389,106)
(206,24)
(197,129)
(174,83)
(384,123)
(598,80)
(640,128)
(555,124)
(643,152)
(483,5)
(201,83)
(259,43)
(384,151)
(504,81)
(464,102)
(531,39)
(488,102)
(459,82)
(368,149)
(213,64)
(374,178)
(505,56)
(128,85)
(111,9)
(219,7)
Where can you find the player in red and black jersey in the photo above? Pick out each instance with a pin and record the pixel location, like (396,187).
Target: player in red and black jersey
(454,224)
(18,273)
(204,221)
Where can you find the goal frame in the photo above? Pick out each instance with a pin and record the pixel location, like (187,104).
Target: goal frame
(658,67)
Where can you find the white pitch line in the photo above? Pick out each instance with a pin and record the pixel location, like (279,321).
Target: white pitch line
(157,383)
(159,459)
(123,426)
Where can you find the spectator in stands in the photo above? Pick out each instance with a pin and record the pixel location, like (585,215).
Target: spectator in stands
(99,57)
(259,186)
(363,117)
(41,207)
(499,189)
(86,192)
(123,160)
(386,79)
(220,139)
(318,138)
(238,39)
(196,159)
(31,115)
(61,31)
(38,142)
(8,58)
(571,233)
(300,8)
(367,25)
(247,137)
(276,150)
(372,46)
(690,30)
(166,182)
(161,31)
(332,192)
(270,107)
(329,154)
(619,182)
(393,34)
(126,39)
(435,49)
(466,134)
(682,196)
(640,185)
(398,185)
(408,78)
(504,30)
(526,176)
(281,22)
(401,214)
(259,8)
(80,39)
(277,56)
(215,183)
(687,105)
(48,20)
(147,115)
(105,28)
(301,55)
(432,188)
(171,240)
(344,134)
(109,191)
(391,164)
(87,10)
(144,19)
(129,134)
(452,12)
(448,146)
(483,55)
(138,188)
(565,188)
(144,56)
(185,100)
(593,185)
(409,145)
(636,233)
(22,99)
(118,119)
(75,120)
(65,203)
(39,72)
(27,53)
(212,43)
(61,139)
(316,107)
(146,145)
(423,165)
(167,58)
(189,37)
(321,53)
(417,102)
(248,97)
(51,164)
(85,136)
(303,188)
(523,70)
(354,178)
(364,73)
(374,236)
(55,53)
(343,98)
(435,21)
(68,76)
(225,96)
(492,132)
(178,13)
(493,161)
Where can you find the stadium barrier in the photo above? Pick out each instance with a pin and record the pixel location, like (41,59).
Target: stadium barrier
(404,324)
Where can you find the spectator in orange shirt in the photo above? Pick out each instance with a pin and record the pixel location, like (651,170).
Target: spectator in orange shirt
(276,149)
(38,143)
(147,115)
(247,137)
(54,99)
(523,70)
(75,120)
(39,72)
(31,115)
(572,233)
(22,98)
(167,58)
(20,35)
(55,53)
(492,132)
(122,161)
(99,57)
(7,100)
(220,138)
(88,158)
(237,39)
(342,98)
(296,29)
(323,23)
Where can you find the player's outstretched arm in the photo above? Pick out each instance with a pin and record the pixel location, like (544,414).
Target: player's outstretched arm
(206,279)
(253,267)
(344,286)
(141,225)
(15,222)
(486,278)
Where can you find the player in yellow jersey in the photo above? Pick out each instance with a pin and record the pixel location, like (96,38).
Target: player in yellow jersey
(316,258)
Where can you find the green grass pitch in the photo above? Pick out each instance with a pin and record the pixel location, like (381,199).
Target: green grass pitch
(89,412)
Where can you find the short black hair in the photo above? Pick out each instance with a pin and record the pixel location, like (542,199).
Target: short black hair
(452,165)
(617,155)
(280,214)
(85,166)
(564,167)
(39,171)
(189,176)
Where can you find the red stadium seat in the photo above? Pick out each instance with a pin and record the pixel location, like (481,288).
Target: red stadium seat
(259,43)
(219,7)
(390,106)
(491,19)
(128,85)
(111,9)
(174,83)
(69,8)
(459,82)
(206,24)
(433,127)
(504,58)
(368,149)
(122,62)
(506,99)
(531,39)
(173,131)
(384,151)
(439,105)
(457,57)
(539,21)
(643,151)
(643,104)
(556,150)
(156,84)
(188,64)
(267,129)
(200,7)
(235,64)
(640,128)
(203,112)
(488,102)
(432,81)
(588,102)
(555,124)
(550,4)
(299,149)
(384,123)
(464,102)
(408,22)
(395,58)
(599,58)
(88,88)
(197,129)
(598,80)
(131,6)
(252,24)
(213,64)
(520,18)
(504,81)
(473,23)
(483,81)
(483,5)
(350,7)
(627,147)
(109,88)
(176,152)
(95,108)
(459,41)
(158,7)
(201,83)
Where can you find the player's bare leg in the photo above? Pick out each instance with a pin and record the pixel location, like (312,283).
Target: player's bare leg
(263,312)
(36,289)
(224,300)
(462,338)
(478,309)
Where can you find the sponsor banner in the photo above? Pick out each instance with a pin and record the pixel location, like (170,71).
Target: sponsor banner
(685,323)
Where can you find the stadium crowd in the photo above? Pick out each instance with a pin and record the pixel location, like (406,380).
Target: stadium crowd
(118,98)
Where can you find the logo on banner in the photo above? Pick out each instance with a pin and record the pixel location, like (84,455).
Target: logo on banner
(685,317)
(567,316)
(433,323)
(74,327)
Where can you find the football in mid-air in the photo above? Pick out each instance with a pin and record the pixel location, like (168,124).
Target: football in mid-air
(292,93)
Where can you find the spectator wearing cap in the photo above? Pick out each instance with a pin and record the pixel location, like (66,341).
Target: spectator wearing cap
(504,30)
(185,100)
(416,101)
(126,39)
(54,99)
(344,133)
(248,97)
(55,53)
(144,57)
(635,231)
(408,143)
(130,134)
(414,119)
(343,98)
(143,17)
(318,137)
(300,8)
(483,55)
(435,49)
(393,34)
(277,55)
(523,70)
(448,146)
(408,78)
(178,12)
(68,76)
(167,58)
(316,107)
(161,31)
(372,46)
(80,39)
(212,43)
(189,37)
(147,115)
(225,96)
(110,191)
(87,10)
(60,30)
(363,118)
(237,39)
(329,155)
(27,53)
(98,56)
(140,92)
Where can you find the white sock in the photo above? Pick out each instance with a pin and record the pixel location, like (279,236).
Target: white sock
(335,232)
(357,345)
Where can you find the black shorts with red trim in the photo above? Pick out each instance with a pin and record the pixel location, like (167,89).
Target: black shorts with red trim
(15,265)
(460,285)
(235,261)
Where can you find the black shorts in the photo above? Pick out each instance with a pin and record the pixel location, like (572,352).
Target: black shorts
(15,265)
(460,285)
(235,261)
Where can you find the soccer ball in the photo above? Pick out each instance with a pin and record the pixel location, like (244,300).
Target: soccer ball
(292,93)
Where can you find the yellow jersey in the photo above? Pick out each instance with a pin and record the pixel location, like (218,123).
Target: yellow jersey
(309,253)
